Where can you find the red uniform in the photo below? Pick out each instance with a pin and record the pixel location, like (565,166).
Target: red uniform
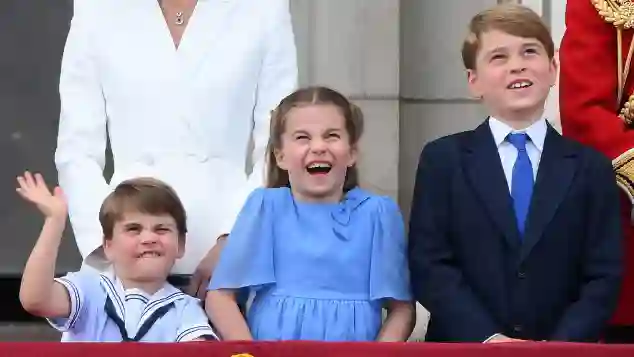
(591,112)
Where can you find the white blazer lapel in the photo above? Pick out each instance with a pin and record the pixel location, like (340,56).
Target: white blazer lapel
(207,26)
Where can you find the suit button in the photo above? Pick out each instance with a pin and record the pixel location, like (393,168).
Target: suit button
(521,275)
(517,328)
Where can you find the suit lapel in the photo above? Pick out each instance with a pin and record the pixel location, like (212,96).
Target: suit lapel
(555,173)
(484,171)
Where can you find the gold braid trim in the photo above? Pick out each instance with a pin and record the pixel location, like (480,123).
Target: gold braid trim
(624,168)
(627,112)
(619,13)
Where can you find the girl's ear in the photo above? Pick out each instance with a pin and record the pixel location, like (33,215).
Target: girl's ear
(279,159)
(354,154)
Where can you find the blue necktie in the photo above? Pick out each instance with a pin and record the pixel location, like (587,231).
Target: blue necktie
(522,181)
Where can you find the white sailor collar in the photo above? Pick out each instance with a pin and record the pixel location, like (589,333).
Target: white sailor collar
(116,292)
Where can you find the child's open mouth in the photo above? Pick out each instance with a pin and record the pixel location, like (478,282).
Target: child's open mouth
(150,254)
(318,168)
(520,84)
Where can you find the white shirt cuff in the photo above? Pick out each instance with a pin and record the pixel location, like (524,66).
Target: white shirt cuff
(492,337)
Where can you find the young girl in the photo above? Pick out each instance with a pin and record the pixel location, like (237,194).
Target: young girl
(322,255)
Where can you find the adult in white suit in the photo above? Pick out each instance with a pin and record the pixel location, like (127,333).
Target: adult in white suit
(184,90)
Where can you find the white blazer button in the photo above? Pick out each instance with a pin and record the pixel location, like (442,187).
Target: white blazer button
(202,158)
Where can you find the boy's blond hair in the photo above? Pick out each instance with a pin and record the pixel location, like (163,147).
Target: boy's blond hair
(513,19)
(145,195)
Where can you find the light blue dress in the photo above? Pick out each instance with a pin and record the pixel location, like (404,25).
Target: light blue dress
(320,271)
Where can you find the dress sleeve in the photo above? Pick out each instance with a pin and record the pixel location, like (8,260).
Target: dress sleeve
(389,273)
(247,259)
(79,287)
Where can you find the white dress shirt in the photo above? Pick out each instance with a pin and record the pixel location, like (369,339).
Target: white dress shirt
(184,115)
(508,153)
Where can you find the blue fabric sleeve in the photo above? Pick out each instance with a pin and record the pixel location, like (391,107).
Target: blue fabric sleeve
(389,272)
(247,258)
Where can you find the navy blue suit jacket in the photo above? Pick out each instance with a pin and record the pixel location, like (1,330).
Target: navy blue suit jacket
(472,271)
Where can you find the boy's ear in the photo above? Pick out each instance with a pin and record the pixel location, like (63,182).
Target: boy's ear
(473,83)
(107,248)
(181,246)
(554,67)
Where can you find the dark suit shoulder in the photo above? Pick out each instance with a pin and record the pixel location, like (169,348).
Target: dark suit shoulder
(594,166)
(447,145)
(589,155)
(444,154)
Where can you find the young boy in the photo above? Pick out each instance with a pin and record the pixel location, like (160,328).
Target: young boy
(514,231)
(144,227)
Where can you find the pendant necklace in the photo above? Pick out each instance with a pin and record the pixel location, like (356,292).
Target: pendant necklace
(179,15)
(179,18)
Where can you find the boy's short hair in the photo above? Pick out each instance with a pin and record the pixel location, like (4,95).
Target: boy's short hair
(145,195)
(513,19)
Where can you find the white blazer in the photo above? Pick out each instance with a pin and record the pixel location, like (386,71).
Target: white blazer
(190,116)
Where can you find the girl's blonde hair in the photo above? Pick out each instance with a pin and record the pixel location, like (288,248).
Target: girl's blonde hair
(275,176)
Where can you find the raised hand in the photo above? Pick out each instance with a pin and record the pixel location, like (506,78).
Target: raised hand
(33,189)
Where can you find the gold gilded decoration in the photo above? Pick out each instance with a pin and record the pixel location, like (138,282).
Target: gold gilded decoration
(242,355)
(627,112)
(624,167)
(619,13)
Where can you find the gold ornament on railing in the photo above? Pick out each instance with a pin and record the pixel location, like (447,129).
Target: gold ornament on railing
(619,13)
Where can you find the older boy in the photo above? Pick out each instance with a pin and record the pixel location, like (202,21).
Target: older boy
(144,226)
(514,231)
